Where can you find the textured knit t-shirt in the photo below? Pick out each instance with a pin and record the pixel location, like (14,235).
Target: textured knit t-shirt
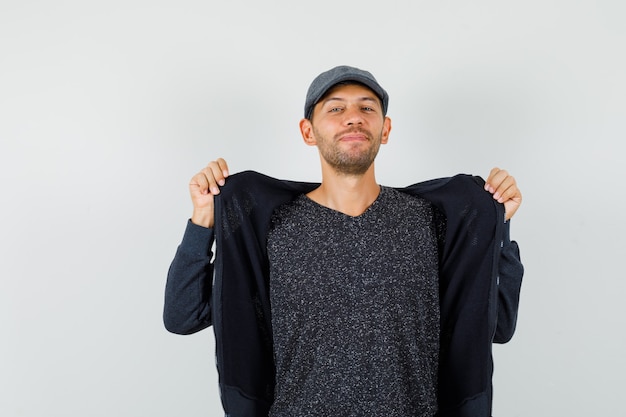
(355,312)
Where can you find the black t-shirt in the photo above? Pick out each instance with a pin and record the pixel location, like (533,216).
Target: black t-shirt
(355,309)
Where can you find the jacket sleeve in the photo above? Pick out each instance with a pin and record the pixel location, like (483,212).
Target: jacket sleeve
(187,307)
(510,272)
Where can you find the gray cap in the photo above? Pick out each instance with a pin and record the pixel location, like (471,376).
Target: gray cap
(326,80)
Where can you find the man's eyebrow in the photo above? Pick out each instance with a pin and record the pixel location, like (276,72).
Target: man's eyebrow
(364,98)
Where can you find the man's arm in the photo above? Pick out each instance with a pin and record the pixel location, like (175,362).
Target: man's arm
(189,284)
(188,290)
(504,189)
(510,273)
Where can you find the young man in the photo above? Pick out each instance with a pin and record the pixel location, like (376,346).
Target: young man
(348,298)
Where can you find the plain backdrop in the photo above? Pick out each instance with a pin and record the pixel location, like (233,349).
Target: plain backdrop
(107,108)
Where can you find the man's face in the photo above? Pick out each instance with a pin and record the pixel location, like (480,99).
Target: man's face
(348,127)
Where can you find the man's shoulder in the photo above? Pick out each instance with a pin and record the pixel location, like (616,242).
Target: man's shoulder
(249,197)
(402,197)
(455,194)
(299,206)
(252,180)
(434,185)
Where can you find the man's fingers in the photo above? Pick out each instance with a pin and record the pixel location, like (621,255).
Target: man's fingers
(203,187)
(502,185)
(495,178)
(223,166)
(504,189)
(212,180)
(200,183)
(212,177)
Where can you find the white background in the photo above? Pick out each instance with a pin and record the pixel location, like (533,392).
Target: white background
(108,108)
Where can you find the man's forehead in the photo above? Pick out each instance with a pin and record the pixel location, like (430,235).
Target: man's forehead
(339,92)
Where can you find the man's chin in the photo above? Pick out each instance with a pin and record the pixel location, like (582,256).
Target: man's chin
(352,168)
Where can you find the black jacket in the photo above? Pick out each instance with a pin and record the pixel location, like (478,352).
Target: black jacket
(480,279)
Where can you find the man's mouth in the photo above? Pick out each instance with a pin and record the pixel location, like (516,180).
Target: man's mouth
(354,137)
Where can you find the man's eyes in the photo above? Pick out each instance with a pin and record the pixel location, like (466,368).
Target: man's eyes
(338,109)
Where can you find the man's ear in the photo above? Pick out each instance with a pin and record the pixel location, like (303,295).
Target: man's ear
(306,129)
(386,130)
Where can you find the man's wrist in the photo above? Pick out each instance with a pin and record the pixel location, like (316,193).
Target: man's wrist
(202,218)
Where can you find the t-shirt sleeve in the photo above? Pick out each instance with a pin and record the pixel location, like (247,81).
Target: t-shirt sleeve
(188,290)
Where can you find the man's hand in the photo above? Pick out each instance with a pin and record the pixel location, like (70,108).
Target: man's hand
(504,190)
(202,187)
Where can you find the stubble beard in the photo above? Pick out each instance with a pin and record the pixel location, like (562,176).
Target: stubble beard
(353,161)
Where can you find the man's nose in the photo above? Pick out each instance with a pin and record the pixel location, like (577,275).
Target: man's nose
(353,116)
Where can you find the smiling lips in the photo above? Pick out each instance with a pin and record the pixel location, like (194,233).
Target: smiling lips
(354,137)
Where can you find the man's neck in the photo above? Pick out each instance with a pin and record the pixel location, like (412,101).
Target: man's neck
(348,194)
